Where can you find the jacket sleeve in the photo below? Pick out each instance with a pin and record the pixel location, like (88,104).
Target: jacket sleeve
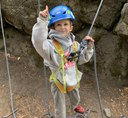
(85,55)
(39,37)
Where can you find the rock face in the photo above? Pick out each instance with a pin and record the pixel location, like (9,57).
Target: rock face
(20,14)
(122,26)
(110,30)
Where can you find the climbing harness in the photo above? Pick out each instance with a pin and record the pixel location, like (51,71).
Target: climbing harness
(8,72)
(62,87)
(82,46)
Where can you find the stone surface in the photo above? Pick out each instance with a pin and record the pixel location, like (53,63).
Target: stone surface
(107,112)
(22,14)
(122,27)
(110,39)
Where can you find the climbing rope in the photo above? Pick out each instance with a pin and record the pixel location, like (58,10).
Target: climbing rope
(95,65)
(7,66)
(49,113)
(82,45)
(38,6)
(93,22)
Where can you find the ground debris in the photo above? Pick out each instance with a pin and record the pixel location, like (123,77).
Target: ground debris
(107,112)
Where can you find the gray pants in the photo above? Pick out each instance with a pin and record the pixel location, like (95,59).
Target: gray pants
(59,100)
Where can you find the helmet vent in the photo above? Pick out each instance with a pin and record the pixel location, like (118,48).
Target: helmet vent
(64,12)
(53,15)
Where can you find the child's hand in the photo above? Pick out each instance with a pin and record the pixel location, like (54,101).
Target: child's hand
(90,41)
(45,12)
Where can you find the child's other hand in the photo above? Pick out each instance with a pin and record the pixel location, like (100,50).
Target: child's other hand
(45,12)
(90,41)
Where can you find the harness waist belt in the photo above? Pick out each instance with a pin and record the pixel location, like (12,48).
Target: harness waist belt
(61,87)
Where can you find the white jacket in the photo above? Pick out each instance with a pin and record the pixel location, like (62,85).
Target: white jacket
(47,50)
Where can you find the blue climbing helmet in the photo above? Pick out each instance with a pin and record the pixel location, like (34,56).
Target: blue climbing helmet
(60,12)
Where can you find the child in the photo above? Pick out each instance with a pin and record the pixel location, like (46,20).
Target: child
(58,47)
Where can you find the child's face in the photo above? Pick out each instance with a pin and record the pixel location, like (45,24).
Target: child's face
(64,26)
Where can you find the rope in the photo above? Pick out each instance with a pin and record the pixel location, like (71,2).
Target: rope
(82,46)
(7,65)
(47,96)
(97,83)
(93,22)
(46,85)
(95,66)
(38,6)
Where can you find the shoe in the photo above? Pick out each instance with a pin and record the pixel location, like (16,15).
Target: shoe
(79,109)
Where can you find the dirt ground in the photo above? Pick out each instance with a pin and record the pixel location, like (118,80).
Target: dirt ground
(32,99)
